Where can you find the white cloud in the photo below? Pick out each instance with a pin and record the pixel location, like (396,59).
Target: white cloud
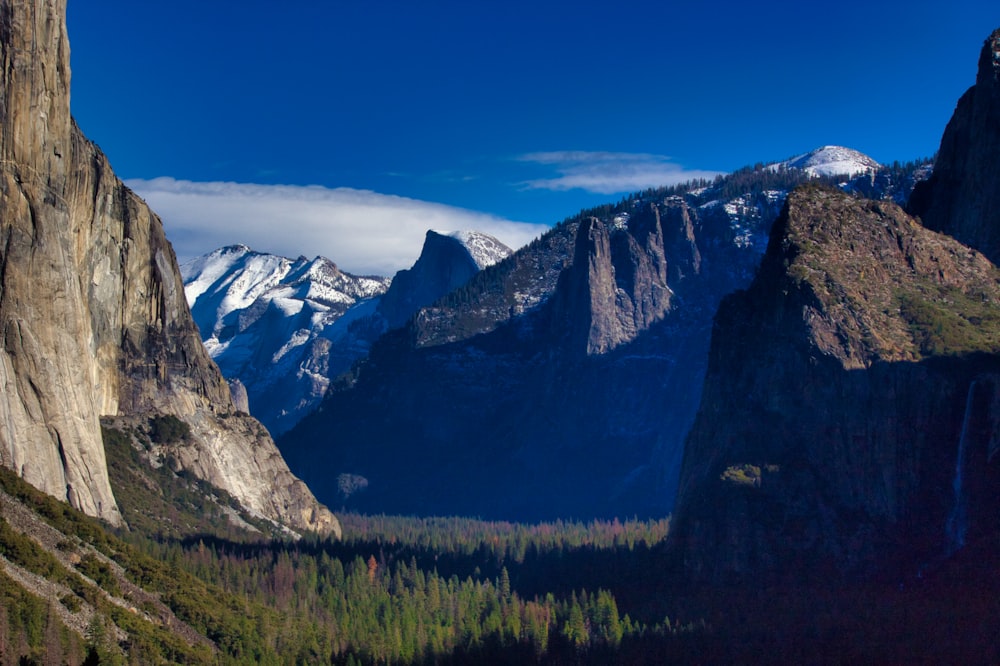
(607,172)
(363,232)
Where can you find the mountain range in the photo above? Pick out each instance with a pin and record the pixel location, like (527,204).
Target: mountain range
(284,328)
(809,364)
(562,381)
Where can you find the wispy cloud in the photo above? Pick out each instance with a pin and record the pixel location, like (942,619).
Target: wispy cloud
(608,172)
(362,231)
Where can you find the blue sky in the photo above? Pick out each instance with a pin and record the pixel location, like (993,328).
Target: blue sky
(348,128)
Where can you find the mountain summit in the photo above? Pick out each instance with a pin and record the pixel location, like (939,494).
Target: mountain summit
(278,325)
(830,161)
(447,261)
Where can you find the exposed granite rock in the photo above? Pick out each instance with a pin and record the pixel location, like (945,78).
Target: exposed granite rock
(445,263)
(92,308)
(835,399)
(961,197)
(557,383)
(52,391)
(239,394)
(616,287)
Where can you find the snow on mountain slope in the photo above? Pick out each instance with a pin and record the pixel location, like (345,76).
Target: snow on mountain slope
(447,261)
(830,161)
(269,321)
(285,327)
(484,249)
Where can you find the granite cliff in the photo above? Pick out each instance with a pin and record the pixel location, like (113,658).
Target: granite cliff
(847,409)
(559,382)
(446,262)
(961,198)
(849,421)
(92,310)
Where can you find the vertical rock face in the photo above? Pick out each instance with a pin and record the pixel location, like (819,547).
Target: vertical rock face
(538,390)
(617,286)
(835,397)
(446,263)
(52,388)
(961,197)
(92,311)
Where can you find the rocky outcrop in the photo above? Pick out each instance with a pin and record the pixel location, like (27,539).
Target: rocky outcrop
(92,308)
(446,262)
(961,197)
(238,392)
(617,286)
(840,388)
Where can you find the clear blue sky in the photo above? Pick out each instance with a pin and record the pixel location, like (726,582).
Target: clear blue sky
(526,111)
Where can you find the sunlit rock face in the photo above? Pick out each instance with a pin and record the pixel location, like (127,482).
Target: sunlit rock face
(92,309)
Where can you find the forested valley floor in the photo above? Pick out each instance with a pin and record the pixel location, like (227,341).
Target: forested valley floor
(405,590)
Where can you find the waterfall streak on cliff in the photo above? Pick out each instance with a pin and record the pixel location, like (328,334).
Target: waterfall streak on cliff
(958,519)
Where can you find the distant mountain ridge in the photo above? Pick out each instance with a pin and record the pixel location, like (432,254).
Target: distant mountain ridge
(284,328)
(272,323)
(562,380)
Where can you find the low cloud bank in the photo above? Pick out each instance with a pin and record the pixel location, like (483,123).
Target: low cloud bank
(363,232)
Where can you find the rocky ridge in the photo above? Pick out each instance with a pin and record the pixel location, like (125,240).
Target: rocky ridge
(285,328)
(92,306)
(574,366)
(833,402)
(848,422)
(278,326)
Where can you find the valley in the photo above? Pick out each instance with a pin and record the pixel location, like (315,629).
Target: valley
(745,418)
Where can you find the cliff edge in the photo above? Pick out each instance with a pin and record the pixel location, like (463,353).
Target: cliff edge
(92,311)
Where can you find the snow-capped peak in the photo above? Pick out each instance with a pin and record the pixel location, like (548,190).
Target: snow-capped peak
(830,161)
(270,321)
(484,249)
